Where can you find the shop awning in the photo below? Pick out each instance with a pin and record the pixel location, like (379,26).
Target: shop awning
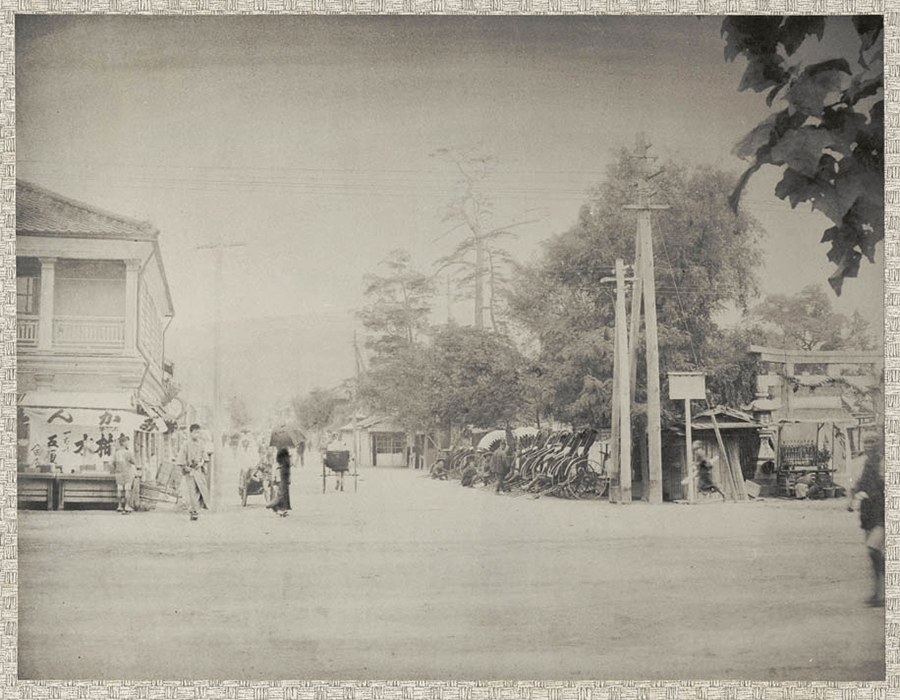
(104,411)
(77,399)
(106,421)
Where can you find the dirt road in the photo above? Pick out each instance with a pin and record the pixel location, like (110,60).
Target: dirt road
(409,578)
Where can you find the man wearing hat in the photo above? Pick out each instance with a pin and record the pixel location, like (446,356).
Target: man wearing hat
(192,460)
(123,461)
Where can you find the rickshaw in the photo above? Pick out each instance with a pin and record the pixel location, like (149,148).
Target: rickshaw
(337,462)
(256,481)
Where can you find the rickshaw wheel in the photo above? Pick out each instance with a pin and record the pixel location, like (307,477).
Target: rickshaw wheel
(242,490)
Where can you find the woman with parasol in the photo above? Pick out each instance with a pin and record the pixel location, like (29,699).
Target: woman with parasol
(281,502)
(284,438)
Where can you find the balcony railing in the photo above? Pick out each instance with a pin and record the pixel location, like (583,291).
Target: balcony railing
(27,330)
(89,332)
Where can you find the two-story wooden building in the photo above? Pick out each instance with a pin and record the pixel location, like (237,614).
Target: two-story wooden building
(92,307)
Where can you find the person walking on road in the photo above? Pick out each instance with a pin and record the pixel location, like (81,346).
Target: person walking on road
(123,462)
(703,469)
(192,460)
(337,457)
(281,503)
(869,492)
(500,465)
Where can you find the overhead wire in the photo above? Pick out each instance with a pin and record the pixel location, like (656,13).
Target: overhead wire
(575,187)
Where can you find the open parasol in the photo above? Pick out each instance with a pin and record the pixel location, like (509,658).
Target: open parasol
(286,436)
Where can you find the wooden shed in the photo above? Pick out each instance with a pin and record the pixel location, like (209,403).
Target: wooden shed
(740,434)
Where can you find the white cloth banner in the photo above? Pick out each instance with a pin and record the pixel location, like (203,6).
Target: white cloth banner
(112,420)
(79,438)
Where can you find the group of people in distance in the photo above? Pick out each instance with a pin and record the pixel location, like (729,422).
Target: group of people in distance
(193,460)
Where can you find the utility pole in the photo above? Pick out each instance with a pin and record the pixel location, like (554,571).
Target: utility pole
(645,246)
(621,395)
(624,397)
(359,370)
(634,334)
(215,486)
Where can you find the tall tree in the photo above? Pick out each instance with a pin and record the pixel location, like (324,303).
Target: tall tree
(480,254)
(807,321)
(464,376)
(316,410)
(701,266)
(400,302)
(478,377)
(829,136)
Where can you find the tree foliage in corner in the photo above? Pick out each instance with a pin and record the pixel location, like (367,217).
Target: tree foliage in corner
(829,137)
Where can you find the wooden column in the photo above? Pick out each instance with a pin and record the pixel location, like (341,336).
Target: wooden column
(132,273)
(46,311)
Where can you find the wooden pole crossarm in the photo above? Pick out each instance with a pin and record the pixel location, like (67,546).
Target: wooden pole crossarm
(211,246)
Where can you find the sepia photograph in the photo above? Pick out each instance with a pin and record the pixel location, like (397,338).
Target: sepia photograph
(471,348)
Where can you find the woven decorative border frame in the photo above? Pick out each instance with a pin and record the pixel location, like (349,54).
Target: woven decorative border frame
(11,687)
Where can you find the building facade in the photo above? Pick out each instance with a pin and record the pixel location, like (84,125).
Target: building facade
(93,305)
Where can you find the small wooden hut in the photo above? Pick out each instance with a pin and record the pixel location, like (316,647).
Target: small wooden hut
(740,434)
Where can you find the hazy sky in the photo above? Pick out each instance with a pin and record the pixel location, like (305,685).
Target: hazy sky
(309,139)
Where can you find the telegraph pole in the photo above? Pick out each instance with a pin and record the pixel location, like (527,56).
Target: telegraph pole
(623,398)
(215,486)
(634,334)
(359,369)
(645,246)
(621,394)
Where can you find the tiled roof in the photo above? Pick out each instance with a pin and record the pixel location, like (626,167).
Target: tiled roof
(39,210)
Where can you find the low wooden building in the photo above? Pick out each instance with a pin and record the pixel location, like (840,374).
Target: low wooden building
(740,434)
(382,442)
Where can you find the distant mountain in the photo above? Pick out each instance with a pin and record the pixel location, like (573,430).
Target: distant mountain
(265,361)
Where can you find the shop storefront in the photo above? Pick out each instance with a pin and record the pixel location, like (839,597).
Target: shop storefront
(66,450)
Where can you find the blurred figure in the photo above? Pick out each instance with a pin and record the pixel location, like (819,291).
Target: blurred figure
(123,461)
(869,494)
(703,470)
(807,486)
(281,504)
(500,465)
(337,457)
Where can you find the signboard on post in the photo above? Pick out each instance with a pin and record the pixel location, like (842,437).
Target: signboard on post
(687,386)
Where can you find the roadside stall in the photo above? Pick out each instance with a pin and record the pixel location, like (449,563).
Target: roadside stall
(69,454)
(812,457)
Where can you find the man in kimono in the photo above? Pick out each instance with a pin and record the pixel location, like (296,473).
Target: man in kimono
(193,462)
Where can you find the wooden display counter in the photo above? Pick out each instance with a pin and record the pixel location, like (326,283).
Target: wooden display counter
(36,488)
(87,488)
